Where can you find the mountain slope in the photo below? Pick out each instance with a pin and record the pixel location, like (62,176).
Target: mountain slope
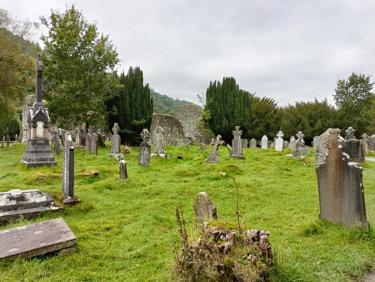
(164,104)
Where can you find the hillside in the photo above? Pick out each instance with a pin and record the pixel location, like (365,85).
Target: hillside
(164,104)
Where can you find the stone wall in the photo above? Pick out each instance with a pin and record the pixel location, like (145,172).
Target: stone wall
(173,130)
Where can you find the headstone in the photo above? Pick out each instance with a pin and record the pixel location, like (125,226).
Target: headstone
(355,150)
(88,141)
(253,143)
(316,141)
(115,140)
(214,156)
(205,211)
(68,171)
(94,143)
(264,142)
(16,138)
(17,203)
(8,140)
(123,169)
(36,239)
(300,145)
(279,143)
(57,144)
(38,148)
(371,143)
(340,185)
(159,142)
(145,149)
(349,133)
(364,142)
(286,144)
(245,143)
(292,143)
(237,149)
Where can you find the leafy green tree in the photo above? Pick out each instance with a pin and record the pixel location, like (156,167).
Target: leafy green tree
(132,107)
(79,62)
(354,98)
(9,126)
(227,106)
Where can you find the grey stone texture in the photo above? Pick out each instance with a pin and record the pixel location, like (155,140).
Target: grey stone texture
(237,149)
(144,149)
(94,143)
(115,140)
(245,143)
(123,169)
(205,211)
(292,143)
(341,192)
(253,143)
(264,142)
(159,141)
(214,156)
(36,239)
(279,142)
(371,143)
(173,130)
(68,171)
(299,144)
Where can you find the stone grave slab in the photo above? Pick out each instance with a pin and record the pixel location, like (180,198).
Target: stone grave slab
(36,239)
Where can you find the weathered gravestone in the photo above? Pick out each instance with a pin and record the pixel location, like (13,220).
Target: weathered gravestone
(214,156)
(371,143)
(123,169)
(286,144)
(159,141)
(144,149)
(205,211)
(341,194)
(264,142)
(364,142)
(245,143)
(94,143)
(354,147)
(68,171)
(8,140)
(115,140)
(36,239)
(300,145)
(279,142)
(292,143)
(253,143)
(88,141)
(237,149)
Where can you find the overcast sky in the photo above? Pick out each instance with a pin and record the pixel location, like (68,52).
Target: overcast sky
(288,50)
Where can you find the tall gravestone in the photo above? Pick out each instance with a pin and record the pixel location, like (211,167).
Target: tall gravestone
(253,143)
(292,143)
(88,140)
(68,171)
(214,156)
(354,147)
(300,144)
(264,142)
(144,149)
(38,148)
(279,142)
(205,211)
(123,169)
(245,143)
(94,143)
(341,194)
(159,141)
(371,143)
(237,150)
(116,140)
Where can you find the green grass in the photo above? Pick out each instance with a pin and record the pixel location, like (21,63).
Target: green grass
(126,230)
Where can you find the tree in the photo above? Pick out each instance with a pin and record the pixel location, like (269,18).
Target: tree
(132,107)
(354,98)
(264,117)
(227,106)
(78,69)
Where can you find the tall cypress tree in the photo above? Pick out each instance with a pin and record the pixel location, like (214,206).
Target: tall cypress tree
(132,107)
(227,106)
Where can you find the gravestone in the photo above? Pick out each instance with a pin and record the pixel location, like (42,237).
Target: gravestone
(364,142)
(279,142)
(316,141)
(38,148)
(2,142)
(292,143)
(159,141)
(115,140)
(8,140)
(205,211)
(264,142)
(123,169)
(214,156)
(300,145)
(354,147)
(94,143)
(245,143)
(341,194)
(57,144)
(88,141)
(144,149)
(349,133)
(253,143)
(371,143)
(36,239)
(286,144)
(237,150)
(68,171)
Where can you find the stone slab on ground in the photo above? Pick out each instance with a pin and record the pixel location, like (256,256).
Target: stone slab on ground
(36,239)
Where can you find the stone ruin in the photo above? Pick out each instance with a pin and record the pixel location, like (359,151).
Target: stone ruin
(341,192)
(38,148)
(173,130)
(68,171)
(16,204)
(214,156)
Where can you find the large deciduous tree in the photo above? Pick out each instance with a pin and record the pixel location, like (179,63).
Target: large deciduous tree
(227,106)
(79,62)
(132,107)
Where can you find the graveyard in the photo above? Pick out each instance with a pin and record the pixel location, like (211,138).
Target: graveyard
(125,229)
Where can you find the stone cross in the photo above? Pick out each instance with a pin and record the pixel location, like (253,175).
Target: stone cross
(145,149)
(279,142)
(205,211)
(237,150)
(214,157)
(116,140)
(340,185)
(264,142)
(299,144)
(68,171)
(349,133)
(123,169)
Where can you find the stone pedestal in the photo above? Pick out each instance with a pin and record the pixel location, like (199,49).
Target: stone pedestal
(38,153)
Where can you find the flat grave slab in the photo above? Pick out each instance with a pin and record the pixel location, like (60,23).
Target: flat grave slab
(36,239)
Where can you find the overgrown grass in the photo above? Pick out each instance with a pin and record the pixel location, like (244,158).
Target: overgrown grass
(125,230)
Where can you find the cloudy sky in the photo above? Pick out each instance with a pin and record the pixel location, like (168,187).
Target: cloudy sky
(288,50)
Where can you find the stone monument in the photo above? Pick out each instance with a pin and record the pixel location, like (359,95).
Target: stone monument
(68,171)
(264,143)
(341,194)
(38,147)
(299,144)
(253,143)
(279,142)
(237,149)
(205,211)
(159,141)
(94,143)
(144,149)
(123,170)
(292,143)
(214,156)
(116,140)
(354,147)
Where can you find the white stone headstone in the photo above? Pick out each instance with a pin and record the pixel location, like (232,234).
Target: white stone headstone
(264,142)
(279,143)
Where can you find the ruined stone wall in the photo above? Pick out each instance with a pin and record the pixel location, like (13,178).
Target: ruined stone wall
(173,130)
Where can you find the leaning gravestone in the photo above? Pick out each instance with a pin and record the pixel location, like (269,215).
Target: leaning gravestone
(264,142)
(205,211)
(279,143)
(144,149)
(94,143)
(36,239)
(8,140)
(237,149)
(214,156)
(116,140)
(253,143)
(341,194)
(68,171)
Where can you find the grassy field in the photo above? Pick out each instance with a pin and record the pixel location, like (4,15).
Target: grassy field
(126,230)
